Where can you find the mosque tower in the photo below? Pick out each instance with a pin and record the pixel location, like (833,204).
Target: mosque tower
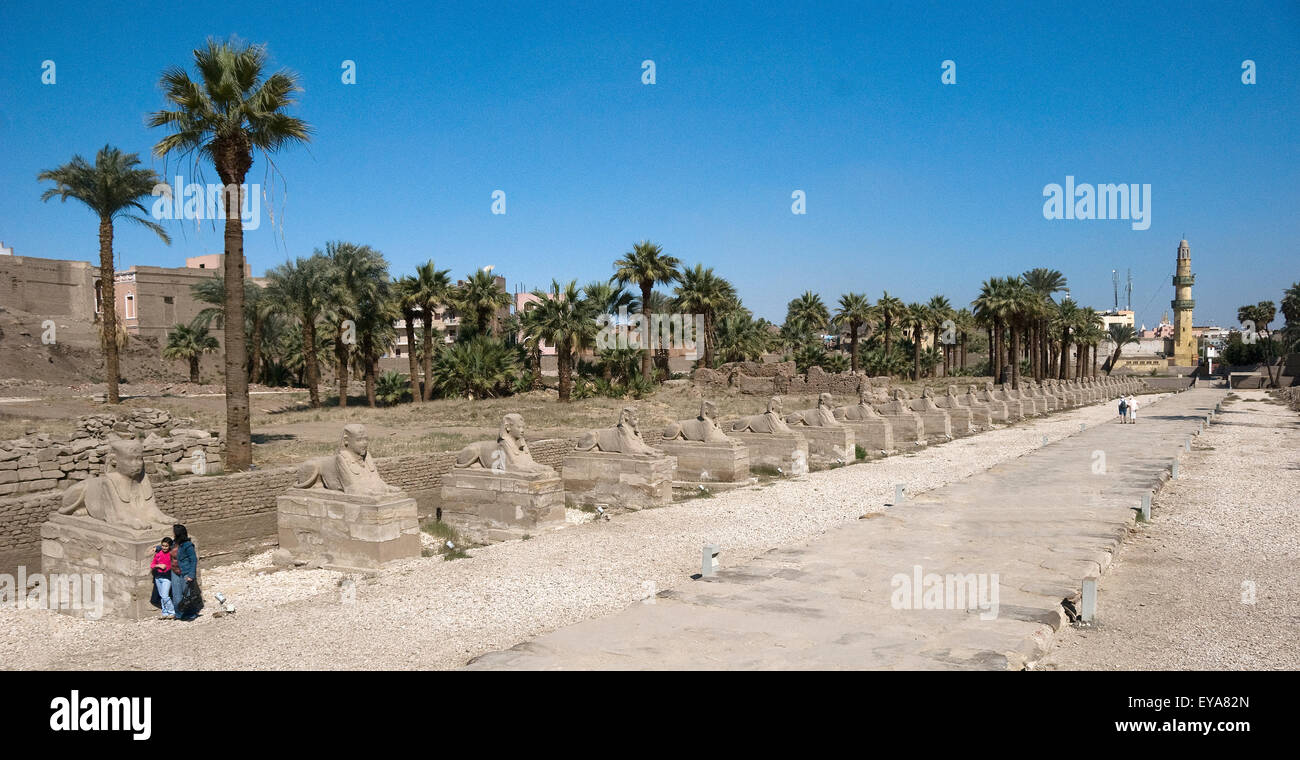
(1185,351)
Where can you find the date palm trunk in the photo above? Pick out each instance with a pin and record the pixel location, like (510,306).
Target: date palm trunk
(412,361)
(108,306)
(234,161)
(312,369)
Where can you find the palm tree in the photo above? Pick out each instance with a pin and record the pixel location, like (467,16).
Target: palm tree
(741,337)
(853,311)
(353,277)
(189,343)
(478,367)
(965,323)
(405,291)
(112,188)
(375,332)
(1044,282)
(257,309)
(1090,334)
(565,320)
(1121,336)
(478,299)
(300,288)
(889,310)
(433,290)
(1065,323)
(940,311)
(916,318)
(230,112)
(705,293)
(646,265)
(807,315)
(990,311)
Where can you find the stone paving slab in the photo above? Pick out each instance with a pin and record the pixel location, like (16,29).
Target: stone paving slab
(1041,522)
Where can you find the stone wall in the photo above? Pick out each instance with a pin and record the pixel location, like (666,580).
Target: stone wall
(40,462)
(757,379)
(199,499)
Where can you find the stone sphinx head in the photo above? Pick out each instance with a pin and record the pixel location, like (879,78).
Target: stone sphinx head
(988,386)
(628,419)
(774,405)
(355,440)
(900,394)
(512,427)
(708,410)
(126,457)
(952,391)
(825,401)
(970,390)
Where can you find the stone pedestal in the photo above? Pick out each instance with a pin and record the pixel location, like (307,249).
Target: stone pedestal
(906,427)
(487,506)
(874,435)
(337,529)
(709,464)
(1017,408)
(960,418)
(618,480)
(830,444)
(981,417)
(105,568)
(789,451)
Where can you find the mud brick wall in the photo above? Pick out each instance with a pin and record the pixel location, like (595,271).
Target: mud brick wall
(199,499)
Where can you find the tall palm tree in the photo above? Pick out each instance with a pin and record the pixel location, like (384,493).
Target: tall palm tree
(478,299)
(1090,334)
(705,293)
(231,111)
(1121,336)
(112,188)
(916,318)
(257,309)
(1065,323)
(940,311)
(1044,282)
(741,337)
(853,311)
(433,290)
(189,343)
(889,311)
(300,288)
(807,315)
(353,279)
(375,332)
(991,307)
(965,323)
(646,265)
(406,294)
(567,321)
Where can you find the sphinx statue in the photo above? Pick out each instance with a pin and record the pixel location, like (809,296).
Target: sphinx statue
(351,469)
(122,495)
(769,421)
(508,453)
(863,410)
(823,415)
(623,438)
(703,428)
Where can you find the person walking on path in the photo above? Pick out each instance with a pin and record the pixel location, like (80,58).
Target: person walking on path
(1123,409)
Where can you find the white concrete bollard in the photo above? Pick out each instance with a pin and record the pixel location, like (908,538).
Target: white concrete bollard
(900,493)
(1145,510)
(709,561)
(1088,604)
(1082,425)
(1187,445)
(1173,471)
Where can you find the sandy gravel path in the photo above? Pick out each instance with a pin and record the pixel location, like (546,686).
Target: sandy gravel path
(1213,582)
(427,613)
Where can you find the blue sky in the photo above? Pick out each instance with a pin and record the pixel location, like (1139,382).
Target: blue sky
(912,186)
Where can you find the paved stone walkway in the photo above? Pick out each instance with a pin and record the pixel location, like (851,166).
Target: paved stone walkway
(1041,523)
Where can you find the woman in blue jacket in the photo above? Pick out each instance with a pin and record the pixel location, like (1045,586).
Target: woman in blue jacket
(185,571)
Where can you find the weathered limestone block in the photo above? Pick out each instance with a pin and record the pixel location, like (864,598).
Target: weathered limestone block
(787,451)
(829,441)
(981,413)
(963,422)
(907,428)
(711,463)
(338,529)
(871,431)
(493,505)
(937,423)
(109,562)
(618,480)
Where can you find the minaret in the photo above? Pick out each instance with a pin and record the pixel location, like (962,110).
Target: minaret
(1185,353)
